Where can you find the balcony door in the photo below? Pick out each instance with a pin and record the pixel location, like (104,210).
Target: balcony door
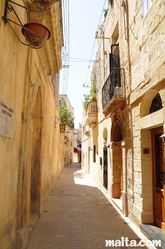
(114,68)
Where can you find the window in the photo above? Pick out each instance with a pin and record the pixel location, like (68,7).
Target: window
(115,66)
(114,57)
(146,5)
(156,104)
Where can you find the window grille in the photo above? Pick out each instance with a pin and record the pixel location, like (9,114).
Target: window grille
(156,104)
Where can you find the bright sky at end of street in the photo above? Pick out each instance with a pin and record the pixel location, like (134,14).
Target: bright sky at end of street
(80,51)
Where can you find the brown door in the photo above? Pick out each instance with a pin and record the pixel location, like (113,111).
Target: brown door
(105,168)
(158,177)
(117,170)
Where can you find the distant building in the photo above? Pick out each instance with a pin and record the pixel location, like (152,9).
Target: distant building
(77,144)
(69,132)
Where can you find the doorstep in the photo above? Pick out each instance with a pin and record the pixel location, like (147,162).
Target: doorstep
(117,202)
(151,231)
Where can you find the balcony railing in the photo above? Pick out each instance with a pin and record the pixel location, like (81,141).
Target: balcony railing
(91,113)
(113,92)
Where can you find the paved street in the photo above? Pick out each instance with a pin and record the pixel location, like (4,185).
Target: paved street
(78,216)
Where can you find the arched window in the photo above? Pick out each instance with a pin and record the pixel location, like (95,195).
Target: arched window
(156,104)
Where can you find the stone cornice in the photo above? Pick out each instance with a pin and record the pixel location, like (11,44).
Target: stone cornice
(50,53)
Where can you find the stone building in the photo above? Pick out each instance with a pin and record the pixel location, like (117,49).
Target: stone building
(68,136)
(77,144)
(122,148)
(31,153)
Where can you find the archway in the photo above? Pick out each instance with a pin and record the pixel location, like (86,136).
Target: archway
(35,159)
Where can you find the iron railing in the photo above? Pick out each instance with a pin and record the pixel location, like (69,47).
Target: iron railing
(114,87)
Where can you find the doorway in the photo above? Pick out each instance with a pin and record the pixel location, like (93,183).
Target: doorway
(158,159)
(105,168)
(117,173)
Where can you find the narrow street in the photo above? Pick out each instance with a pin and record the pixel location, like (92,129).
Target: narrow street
(78,216)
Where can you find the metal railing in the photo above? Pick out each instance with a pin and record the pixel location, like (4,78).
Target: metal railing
(114,87)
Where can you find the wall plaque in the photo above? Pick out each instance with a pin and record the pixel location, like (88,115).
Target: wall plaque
(6,120)
(146,151)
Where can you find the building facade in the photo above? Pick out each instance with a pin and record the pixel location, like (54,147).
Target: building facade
(121,144)
(77,144)
(30,148)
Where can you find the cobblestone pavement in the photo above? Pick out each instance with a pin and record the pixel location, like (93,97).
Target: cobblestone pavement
(77,215)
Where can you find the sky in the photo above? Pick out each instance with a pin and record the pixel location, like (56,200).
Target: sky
(80,46)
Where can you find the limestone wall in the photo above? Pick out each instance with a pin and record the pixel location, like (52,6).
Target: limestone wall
(142,52)
(146,55)
(30,156)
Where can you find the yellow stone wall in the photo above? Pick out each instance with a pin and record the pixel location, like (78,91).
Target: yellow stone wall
(147,65)
(27,89)
(142,52)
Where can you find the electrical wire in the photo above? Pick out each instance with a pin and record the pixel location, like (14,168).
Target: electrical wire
(89,65)
(66,48)
(76,59)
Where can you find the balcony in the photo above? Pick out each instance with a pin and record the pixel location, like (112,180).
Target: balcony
(91,112)
(113,93)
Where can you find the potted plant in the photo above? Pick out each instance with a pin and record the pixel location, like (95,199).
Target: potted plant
(105,12)
(87,99)
(92,95)
(36,34)
(93,92)
(93,88)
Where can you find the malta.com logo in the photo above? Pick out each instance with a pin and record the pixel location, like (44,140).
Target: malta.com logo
(125,242)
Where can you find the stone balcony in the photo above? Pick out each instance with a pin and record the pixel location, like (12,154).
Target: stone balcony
(91,117)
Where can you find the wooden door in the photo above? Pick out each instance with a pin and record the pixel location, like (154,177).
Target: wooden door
(105,168)
(117,170)
(158,177)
